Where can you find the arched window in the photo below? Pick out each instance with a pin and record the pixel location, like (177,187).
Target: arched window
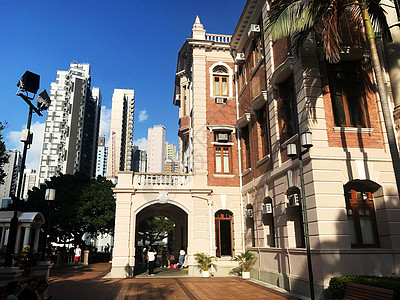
(224,233)
(221,77)
(361,215)
(220,81)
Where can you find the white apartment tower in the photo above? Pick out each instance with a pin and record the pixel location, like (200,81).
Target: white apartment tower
(170,151)
(156,149)
(121,132)
(102,157)
(72,124)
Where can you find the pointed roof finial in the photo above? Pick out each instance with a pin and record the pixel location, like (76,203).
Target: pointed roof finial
(198,31)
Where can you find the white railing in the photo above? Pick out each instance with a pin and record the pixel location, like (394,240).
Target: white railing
(149,179)
(218,38)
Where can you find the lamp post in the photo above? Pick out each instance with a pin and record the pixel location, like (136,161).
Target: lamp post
(27,85)
(49,197)
(305,142)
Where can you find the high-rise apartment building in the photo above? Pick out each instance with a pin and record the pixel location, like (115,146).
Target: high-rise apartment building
(139,160)
(11,168)
(30,181)
(121,133)
(170,151)
(72,124)
(102,157)
(156,149)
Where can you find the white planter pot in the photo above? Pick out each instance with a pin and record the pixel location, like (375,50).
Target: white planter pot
(246,275)
(205,274)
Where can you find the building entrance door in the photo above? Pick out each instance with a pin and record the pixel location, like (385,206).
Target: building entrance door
(223,233)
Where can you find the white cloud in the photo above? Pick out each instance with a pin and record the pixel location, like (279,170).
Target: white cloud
(143,116)
(105,123)
(34,152)
(141,143)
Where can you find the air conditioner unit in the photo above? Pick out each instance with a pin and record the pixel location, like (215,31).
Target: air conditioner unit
(267,208)
(220,100)
(254,29)
(249,213)
(222,137)
(240,58)
(294,200)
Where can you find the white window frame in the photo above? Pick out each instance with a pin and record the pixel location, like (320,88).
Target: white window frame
(230,79)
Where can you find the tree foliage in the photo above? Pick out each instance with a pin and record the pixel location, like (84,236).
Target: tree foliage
(82,205)
(327,18)
(3,154)
(155,229)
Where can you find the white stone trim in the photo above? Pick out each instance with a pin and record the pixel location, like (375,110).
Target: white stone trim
(353,129)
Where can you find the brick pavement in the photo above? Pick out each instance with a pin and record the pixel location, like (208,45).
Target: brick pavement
(88,283)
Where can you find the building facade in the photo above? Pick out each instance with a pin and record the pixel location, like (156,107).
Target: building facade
(102,157)
(121,132)
(11,169)
(156,149)
(72,125)
(340,194)
(139,160)
(203,199)
(31,180)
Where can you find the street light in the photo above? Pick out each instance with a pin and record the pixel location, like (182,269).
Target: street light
(305,142)
(49,197)
(27,85)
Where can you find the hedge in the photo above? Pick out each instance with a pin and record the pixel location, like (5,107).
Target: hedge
(337,285)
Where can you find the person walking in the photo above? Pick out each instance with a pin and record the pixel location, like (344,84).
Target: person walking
(151,259)
(77,253)
(164,258)
(182,254)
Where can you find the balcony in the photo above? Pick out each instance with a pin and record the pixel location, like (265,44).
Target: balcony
(162,180)
(220,38)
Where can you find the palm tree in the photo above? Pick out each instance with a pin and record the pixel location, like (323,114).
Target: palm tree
(324,18)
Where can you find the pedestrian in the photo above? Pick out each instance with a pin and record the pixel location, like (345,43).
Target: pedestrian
(182,254)
(12,290)
(164,258)
(29,292)
(151,259)
(77,253)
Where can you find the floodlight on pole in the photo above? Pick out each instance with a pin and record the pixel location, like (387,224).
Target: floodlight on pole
(28,83)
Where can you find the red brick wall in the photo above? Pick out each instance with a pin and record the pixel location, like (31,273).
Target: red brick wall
(220,114)
(372,140)
(280,49)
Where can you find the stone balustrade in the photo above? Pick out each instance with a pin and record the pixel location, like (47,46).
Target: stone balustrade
(221,38)
(162,179)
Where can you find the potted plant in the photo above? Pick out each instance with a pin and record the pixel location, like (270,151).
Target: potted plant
(204,262)
(246,262)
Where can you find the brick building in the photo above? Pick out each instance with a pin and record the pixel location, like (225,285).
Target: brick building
(350,195)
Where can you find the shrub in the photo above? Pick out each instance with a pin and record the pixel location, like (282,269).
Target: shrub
(337,285)
(204,261)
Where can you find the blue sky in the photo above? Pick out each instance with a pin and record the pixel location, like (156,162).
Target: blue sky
(129,44)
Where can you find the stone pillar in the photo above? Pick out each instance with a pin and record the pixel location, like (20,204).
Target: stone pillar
(3,233)
(36,240)
(17,241)
(85,257)
(26,236)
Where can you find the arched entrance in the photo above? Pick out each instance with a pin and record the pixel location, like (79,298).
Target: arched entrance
(163,234)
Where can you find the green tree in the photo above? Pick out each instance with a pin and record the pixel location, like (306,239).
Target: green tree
(3,154)
(324,18)
(82,205)
(155,229)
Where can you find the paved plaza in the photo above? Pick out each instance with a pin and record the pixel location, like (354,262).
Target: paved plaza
(87,282)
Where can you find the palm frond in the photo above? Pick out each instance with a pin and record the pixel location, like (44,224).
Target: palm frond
(378,18)
(289,17)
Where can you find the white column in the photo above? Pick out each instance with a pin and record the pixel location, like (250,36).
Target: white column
(36,241)
(26,236)
(17,241)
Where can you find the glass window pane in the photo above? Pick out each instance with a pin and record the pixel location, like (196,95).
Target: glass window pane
(367,231)
(339,114)
(226,160)
(218,160)
(225,86)
(352,231)
(217,89)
